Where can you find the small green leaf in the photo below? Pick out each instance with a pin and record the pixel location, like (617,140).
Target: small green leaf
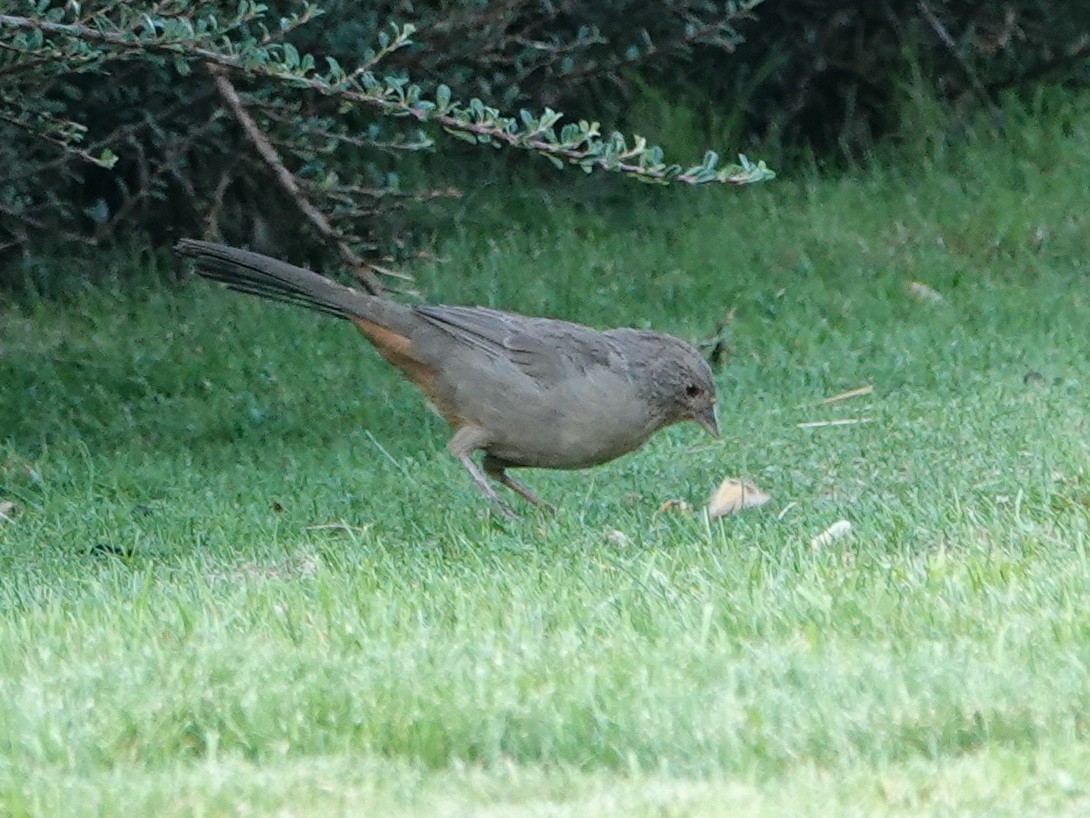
(465,137)
(442,97)
(291,56)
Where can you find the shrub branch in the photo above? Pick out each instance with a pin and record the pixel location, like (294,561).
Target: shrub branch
(288,183)
(577,143)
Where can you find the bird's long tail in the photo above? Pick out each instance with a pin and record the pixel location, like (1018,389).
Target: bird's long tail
(277,280)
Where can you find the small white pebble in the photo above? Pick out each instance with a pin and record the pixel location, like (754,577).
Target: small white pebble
(921,292)
(839,529)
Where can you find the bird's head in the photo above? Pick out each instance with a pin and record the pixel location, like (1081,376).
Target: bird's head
(680,386)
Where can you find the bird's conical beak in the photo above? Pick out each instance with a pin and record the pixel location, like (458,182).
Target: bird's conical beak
(709,421)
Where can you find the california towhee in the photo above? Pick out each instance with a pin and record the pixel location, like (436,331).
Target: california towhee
(530,392)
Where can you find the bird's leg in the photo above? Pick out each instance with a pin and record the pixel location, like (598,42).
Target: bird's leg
(462,445)
(482,484)
(494,468)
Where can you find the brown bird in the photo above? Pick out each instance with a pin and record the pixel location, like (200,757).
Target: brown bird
(528,392)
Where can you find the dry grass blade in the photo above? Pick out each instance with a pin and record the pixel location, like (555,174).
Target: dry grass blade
(340,526)
(819,424)
(784,511)
(851,393)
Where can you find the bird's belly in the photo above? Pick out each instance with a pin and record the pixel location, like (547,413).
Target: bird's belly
(573,437)
(558,456)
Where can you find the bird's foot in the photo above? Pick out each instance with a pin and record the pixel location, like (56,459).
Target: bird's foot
(497,472)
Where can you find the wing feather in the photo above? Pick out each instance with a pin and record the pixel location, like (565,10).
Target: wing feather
(545,349)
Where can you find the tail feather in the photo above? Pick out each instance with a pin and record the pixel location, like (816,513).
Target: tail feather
(273,279)
(273,294)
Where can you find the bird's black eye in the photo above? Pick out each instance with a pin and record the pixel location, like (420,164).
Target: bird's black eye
(692,390)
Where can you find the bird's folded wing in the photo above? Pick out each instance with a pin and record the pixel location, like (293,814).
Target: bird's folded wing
(546,350)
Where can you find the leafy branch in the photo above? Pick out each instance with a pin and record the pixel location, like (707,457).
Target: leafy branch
(578,144)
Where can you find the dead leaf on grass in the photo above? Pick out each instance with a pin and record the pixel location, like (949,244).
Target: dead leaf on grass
(732,496)
(675,505)
(716,345)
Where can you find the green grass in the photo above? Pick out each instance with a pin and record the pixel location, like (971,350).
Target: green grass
(426,659)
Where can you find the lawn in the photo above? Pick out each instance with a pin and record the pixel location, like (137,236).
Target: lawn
(242,577)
